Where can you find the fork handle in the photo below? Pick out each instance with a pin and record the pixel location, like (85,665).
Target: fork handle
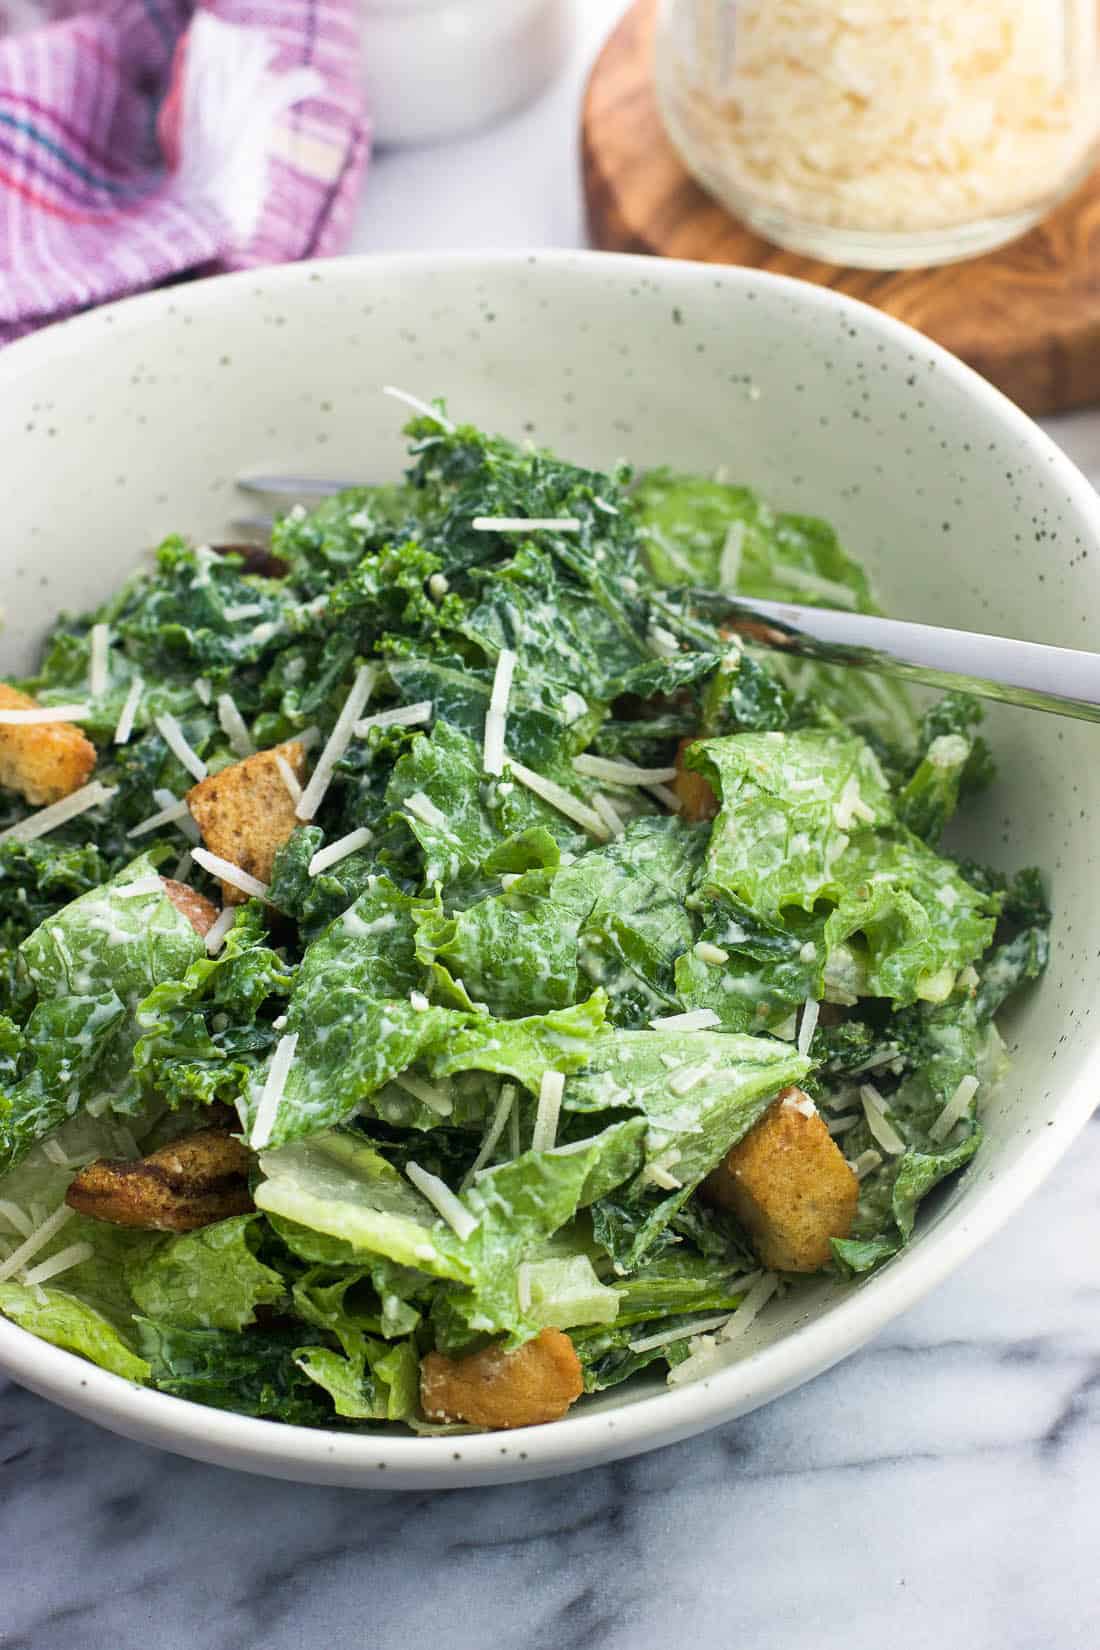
(1063,680)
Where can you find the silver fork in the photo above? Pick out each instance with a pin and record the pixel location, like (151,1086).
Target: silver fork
(289,489)
(1063,680)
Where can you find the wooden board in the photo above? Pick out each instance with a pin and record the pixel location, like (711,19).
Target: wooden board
(1026,316)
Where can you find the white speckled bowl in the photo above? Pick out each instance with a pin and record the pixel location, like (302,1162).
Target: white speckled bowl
(130,422)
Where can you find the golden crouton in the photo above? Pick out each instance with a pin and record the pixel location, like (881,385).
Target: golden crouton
(697,799)
(495,1389)
(190,1183)
(43,760)
(246,813)
(789,1186)
(200,912)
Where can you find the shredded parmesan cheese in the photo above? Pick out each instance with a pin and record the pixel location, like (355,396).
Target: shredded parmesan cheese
(500,1117)
(665,1337)
(496,717)
(274,1085)
(44,713)
(608,813)
(244,610)
(808,1025)
(172,813)
(761,1292)
(443,1200)
(662,794)
(419,406)
(621,773)
(228,872)
(219,928)
(140,886)
(36,1240)
(551,1089)
(523,524)
(882,1130)
(129,711)
(866,1163)
(173,736)
(884,117)
(561,799)
(48,819)
(98,659)
(338,741)
(713,955)
(954,1110)
(288,777)
(696,1019)
(234,727)
(204,693)
(63,1261)
(435,1099)
(338,850)
(729,565)
(15,1216)
(403,716)
(423,808)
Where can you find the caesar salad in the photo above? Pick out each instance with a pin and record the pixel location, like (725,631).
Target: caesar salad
(444,972)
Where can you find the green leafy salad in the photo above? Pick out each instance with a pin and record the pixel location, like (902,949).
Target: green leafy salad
(563,972)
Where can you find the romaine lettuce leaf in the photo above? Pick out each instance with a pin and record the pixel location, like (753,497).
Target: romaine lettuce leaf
(699,1092)
(615,917)
(90,964)
(791,804)
(351,1012)
(919,923)
(55,1315)
(209,1279)
(339,1185)
(202,1036)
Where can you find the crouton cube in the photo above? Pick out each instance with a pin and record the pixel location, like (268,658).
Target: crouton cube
(789,1186)
(495,1389)
(200,912)
(189,1183)
(246,813)
(697,798)
(45,761)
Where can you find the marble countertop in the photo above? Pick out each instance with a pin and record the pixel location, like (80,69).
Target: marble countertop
(942,1488)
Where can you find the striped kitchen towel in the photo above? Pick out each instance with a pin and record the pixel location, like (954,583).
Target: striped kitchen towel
(141,140)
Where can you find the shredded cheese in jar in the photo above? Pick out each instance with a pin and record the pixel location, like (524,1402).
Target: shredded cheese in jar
(872,115)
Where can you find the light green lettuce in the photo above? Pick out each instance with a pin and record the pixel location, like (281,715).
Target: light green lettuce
(209,1279)
(91,965)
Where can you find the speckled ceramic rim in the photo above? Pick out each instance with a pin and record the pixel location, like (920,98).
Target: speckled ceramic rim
(583,1439)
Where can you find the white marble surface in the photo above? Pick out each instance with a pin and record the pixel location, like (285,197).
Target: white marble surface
(942,1489)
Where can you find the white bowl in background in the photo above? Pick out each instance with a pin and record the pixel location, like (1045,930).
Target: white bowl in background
(436,68)
(133,420)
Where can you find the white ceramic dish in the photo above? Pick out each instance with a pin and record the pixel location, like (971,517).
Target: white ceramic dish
(132,421)
(436,68)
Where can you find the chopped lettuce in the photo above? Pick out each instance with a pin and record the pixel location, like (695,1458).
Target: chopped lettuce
(209,1279)
(90,965)
(485,974)
(65,1320)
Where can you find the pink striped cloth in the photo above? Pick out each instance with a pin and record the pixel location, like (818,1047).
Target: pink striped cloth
(142,140)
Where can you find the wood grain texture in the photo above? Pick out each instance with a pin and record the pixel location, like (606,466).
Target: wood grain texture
(1026,316)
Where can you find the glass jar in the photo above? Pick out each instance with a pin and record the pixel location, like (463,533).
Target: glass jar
(882,133)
